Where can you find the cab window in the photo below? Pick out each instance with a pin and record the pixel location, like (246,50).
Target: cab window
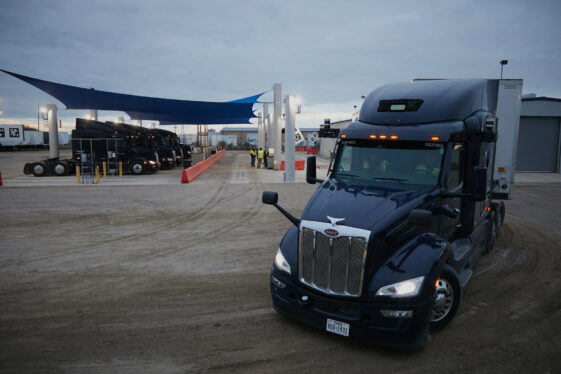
(456,167)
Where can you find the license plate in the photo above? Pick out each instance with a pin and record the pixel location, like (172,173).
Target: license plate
(337,327)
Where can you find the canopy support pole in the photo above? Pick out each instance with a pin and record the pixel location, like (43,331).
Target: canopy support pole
(289,138)
(53,130)
(277,90)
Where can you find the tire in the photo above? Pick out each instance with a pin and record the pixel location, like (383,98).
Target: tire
(60,168)
(137,168)
(38,169)
(447,298)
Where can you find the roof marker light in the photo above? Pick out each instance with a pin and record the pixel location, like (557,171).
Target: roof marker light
(435,138)
(393,137)
(372,136)
(383,136)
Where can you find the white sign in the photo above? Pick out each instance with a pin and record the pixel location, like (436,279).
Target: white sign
(313,137)
(298,137)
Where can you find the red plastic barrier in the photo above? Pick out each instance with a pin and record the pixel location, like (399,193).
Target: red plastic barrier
(190,174)
(301,149)
(313,151)
(298,165)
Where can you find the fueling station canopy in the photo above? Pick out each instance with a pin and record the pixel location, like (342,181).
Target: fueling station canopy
(167,111)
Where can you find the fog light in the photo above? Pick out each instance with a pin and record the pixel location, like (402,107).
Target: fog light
(277,283)
(397,313)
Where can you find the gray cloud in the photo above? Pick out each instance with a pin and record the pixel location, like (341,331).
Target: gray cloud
(330,52)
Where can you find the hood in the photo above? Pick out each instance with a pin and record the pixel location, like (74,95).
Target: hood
(362,206)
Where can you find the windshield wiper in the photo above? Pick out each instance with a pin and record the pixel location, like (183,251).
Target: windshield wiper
(400,180)
(346,175)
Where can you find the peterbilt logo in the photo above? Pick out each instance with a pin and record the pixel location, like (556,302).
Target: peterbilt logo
(331,232)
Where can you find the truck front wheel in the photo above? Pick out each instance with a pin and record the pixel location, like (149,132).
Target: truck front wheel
(38,169)
(137,168)
(448,294)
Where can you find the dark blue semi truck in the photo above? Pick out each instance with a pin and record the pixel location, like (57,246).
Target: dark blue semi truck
(412,198)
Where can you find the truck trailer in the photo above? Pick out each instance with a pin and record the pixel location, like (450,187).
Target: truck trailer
(412,199)
(96,142)
(18,137)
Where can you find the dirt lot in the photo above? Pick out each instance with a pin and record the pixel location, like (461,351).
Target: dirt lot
(174,278)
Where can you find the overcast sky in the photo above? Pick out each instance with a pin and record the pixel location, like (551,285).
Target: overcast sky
(328,52)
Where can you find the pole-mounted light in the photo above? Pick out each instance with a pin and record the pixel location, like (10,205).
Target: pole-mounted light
(503,63)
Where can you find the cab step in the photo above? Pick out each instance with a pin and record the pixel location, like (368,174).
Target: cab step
(461,248)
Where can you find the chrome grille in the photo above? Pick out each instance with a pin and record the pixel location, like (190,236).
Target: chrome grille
(333,265)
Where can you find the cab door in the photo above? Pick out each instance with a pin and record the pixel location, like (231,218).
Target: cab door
(451,221)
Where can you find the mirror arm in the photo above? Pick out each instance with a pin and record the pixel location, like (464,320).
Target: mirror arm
(295,221)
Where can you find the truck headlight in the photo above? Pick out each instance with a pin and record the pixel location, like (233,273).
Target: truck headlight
(281,263)
(407,288)
(152,162)
(170,159)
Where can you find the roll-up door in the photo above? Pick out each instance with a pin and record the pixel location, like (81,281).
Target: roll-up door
(538,144)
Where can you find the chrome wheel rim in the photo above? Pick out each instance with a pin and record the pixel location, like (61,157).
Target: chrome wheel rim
(38,169)
(443,301)
(137,168)
(59,169)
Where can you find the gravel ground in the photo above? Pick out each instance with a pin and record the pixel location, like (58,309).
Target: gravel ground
(174,279)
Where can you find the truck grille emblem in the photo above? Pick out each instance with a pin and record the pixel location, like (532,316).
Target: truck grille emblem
(331,232)
(334,221)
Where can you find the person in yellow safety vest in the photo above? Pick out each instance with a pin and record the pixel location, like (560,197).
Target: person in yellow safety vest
(265,155)
(259,157)
(252,153)
(428,168)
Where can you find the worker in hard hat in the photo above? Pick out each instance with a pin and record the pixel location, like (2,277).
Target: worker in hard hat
(259,157)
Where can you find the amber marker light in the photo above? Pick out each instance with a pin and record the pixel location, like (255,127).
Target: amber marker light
(383,137)
(393,137)
(372,136)
(436,283)
(434,138)
(344,136)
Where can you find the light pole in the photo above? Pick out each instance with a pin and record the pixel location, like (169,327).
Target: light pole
(503,63)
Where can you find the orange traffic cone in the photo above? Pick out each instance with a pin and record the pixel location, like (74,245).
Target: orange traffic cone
(184,177)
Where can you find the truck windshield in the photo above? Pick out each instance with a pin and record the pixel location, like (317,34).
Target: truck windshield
(405,162)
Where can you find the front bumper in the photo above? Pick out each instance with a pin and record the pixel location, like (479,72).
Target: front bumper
(364,318)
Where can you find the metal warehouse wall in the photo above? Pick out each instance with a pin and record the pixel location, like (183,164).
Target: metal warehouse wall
(539,136)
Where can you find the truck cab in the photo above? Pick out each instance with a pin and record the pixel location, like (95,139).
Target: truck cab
(388,241)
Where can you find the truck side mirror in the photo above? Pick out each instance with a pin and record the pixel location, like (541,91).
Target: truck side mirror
(479,183)
(420,217)
(311,171)
(270,197)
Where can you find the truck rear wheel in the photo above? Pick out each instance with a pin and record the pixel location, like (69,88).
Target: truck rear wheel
(38,169)
(137,168)
(448,294)
(60,168)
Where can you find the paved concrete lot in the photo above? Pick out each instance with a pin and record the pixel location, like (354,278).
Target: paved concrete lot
(174,278)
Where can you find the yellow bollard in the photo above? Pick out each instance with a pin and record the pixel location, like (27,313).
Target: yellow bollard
(120,168)
(97,176)
(104,168)
(77,174)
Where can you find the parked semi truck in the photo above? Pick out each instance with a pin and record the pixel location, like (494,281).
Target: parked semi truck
(182,151)
(96,142)
(386,244)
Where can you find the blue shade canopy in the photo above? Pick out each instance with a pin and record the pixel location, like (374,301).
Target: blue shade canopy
(148,108)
